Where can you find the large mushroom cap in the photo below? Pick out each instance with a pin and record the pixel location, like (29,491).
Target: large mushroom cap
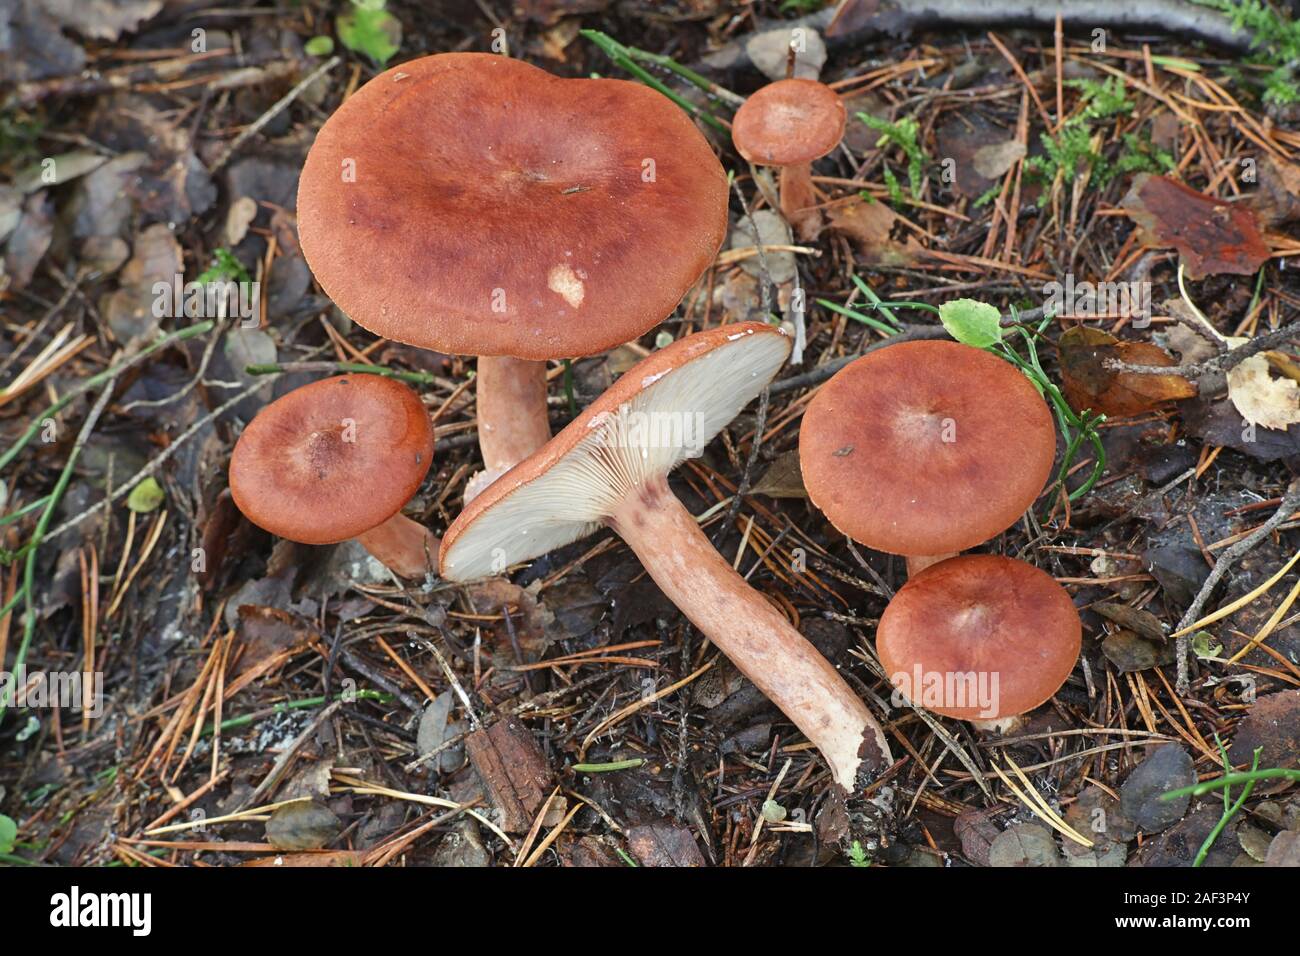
(471,203)
(789,122)
(926,447)
(664,409)
(333,459)
(958,623)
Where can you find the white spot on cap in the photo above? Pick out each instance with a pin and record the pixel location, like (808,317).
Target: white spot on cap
(564,282)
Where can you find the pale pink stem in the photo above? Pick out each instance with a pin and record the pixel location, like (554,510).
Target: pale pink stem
(405,547)
(752,633)
(799,201)
(917,563)
(511,398)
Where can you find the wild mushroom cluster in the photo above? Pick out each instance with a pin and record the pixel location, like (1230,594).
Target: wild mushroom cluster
(474,204)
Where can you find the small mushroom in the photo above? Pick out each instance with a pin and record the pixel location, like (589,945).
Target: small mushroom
(471,203)
(979,637)
(926,448)
(337,459)
(610,467)
(788,124)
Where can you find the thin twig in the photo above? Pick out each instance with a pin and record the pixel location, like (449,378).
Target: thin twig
(1290,501)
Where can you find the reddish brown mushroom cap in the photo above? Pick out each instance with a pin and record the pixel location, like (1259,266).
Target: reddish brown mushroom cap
(789,122)
(979,618)
(926,447)
(474,204)
(333,459)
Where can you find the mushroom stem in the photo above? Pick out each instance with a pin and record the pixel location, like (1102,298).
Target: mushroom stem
(405,547)
(916,563)
(751,632)
(799,201)
(512,422)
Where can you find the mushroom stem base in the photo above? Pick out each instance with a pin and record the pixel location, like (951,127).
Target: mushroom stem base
(511,405)
(751,632)
(405,547)
(917,563)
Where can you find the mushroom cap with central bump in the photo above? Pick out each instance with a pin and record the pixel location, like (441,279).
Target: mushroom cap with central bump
(980,615)
(926,447)
(789,122)
(332,460)
(664,409)
(471,203)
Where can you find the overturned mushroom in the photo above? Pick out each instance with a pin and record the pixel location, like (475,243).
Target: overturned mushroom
(926,448)
(337,459)
(979,637)
(470,203)
(788,124)
(610,467)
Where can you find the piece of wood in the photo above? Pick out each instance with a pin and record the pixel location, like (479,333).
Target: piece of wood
(513,771)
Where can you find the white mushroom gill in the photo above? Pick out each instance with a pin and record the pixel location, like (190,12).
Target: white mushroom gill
(670,419)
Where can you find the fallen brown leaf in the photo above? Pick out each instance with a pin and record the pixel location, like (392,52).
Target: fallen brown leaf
(1212,236)
(1089,384)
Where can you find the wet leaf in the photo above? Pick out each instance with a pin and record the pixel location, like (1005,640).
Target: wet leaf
(1213,237)
(783,478)
(772,231)
(1089,384)
(102,19)
(156,258)
(1130,653)
(871,227)
(1024,844)
(1277,201)
(1135,619)
(1272,724)
(302,825)
(1284,850)
(1168,768)
(57,170)
(1218,422)
(994,160)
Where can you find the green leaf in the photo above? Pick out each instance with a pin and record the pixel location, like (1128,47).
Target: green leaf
(1205,646)
(319,46)
(8,834)
(145,497)
(972,322)
(371,30)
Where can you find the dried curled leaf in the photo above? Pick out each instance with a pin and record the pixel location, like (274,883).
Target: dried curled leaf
(876,231)
(1089,384)
(1261,398)
(1212,236)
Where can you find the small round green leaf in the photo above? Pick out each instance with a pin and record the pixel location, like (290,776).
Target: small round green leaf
(319,46)
(8,834)
(145,497)
(972,322)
